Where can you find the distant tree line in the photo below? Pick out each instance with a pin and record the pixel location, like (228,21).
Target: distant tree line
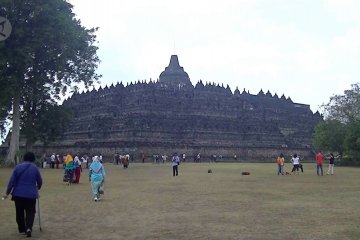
(340,131)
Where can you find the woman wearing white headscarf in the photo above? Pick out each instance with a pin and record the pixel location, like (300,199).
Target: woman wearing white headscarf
(96,177)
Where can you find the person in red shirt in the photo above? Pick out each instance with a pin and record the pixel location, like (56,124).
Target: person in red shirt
(319,163)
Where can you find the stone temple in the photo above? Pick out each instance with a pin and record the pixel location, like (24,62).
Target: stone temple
(171,115)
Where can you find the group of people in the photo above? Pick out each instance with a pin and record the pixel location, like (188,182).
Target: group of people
(72,169)
(55,160)
(320,158)
(122,159)
(164,158)
(73,166)
(26,180)
(295,160)
(297,166)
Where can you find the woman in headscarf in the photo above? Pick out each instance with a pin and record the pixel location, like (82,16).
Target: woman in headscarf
(78,169)
(96,177)
(69,168)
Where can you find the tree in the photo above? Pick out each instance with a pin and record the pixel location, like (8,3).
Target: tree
(352,141)
(344,108)
(341,129)
(329,135)
(44,121)
(47,53)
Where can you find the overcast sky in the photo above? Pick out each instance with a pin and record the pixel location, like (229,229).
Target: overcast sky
(308,50)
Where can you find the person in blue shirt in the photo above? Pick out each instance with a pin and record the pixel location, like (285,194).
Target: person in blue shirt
(23,186)
(175,163)
(96,177)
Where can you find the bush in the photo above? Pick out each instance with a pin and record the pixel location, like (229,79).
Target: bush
(347,160)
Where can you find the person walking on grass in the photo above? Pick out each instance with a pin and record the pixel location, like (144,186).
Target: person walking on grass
(69,169)
(23,186)
(96,177)
(57,161)
(175,164)
(78,169)
(280,164)
(319,158)
(52,160)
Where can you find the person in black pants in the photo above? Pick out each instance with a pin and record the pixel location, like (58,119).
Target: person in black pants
(301,167)
(25,214)
(23,186)
(175,164)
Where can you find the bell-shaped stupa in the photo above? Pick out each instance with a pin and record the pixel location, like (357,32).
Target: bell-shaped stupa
(174,75)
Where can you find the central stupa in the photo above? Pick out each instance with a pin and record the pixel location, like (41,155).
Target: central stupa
(174,75)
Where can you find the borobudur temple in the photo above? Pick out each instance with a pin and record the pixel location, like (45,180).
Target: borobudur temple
(171,115)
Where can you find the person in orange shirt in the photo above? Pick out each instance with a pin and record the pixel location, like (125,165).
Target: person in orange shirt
(280,163)
(319,163)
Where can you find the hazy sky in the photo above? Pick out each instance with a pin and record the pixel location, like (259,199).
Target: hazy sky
(308,49)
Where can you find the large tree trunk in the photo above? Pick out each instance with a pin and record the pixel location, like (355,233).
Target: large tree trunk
(29,147)
(12,156)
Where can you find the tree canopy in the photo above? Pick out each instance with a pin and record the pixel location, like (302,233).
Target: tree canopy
(48,53)
(345,107)
(330,136)
(340,132)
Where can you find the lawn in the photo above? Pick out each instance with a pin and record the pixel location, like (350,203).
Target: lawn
(146,202)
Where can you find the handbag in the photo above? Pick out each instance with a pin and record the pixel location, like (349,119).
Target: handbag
(101,190)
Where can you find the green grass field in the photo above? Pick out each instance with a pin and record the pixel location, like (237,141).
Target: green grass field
(147,202)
